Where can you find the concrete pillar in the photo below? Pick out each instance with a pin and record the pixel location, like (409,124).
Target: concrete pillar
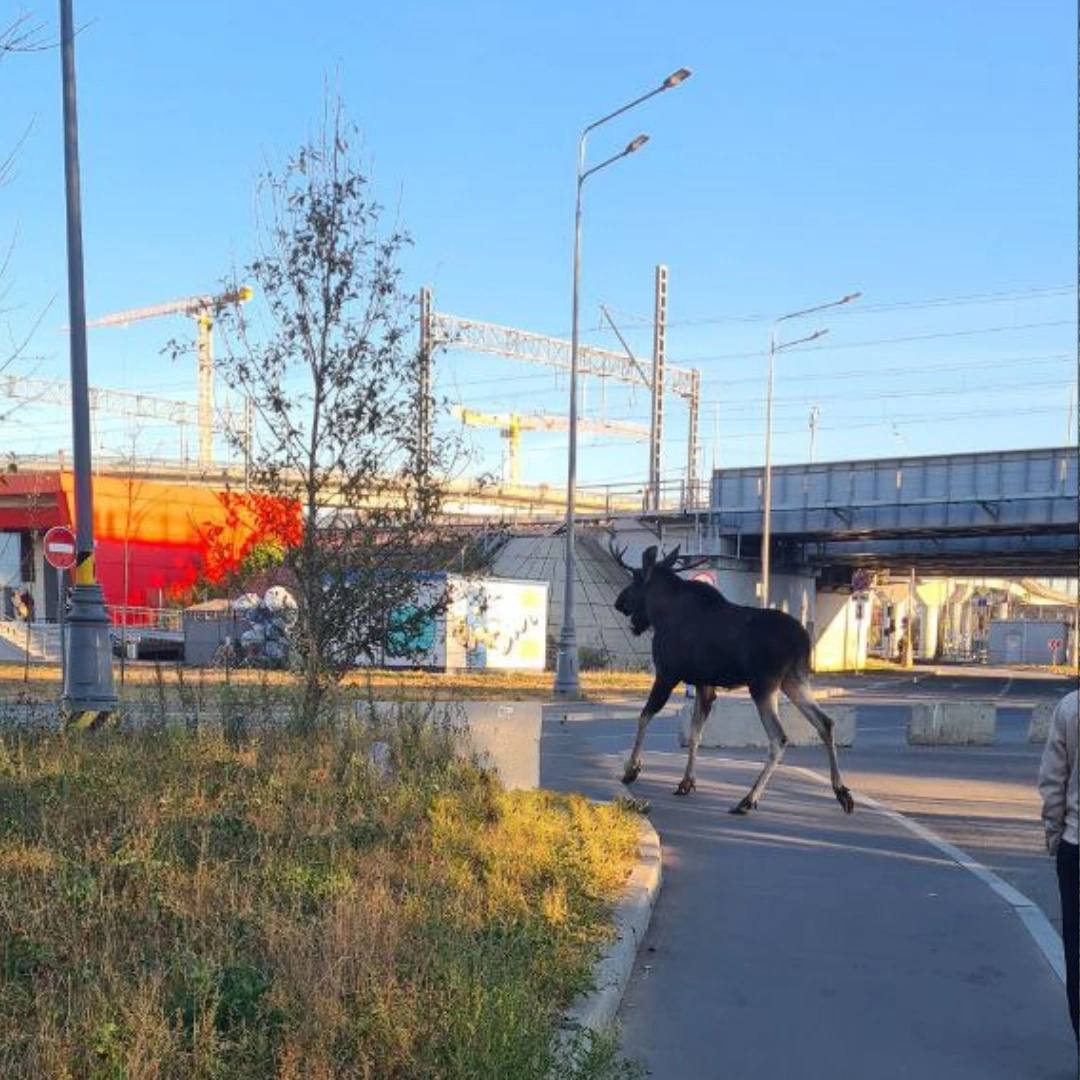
(37,586)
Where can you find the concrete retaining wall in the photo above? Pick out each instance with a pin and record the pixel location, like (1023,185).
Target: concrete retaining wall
(1039,728)
(952,723)
(734,724)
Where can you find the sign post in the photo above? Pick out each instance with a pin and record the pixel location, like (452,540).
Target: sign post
(60,554)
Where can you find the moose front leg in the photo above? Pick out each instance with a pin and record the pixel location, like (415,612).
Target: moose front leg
(657,699)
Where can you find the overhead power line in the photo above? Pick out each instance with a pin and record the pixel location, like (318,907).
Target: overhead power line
(1039,293)
(937,335)
(907,370)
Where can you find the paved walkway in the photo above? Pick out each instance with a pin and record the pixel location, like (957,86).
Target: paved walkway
(11,654)
(798,942)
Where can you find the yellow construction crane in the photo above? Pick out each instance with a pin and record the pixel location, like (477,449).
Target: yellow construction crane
(511,425)
(202,309)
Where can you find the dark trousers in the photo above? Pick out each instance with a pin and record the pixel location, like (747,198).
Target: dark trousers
(1068,871)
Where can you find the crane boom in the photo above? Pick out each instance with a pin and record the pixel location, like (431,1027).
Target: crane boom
(202,309)
(511,425)
(190,306)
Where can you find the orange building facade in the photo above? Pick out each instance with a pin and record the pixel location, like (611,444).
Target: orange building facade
(153,541)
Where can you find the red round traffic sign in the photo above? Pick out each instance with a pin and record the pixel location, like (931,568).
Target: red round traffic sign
(60,547)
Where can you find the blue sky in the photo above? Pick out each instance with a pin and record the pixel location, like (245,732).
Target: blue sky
(915,151)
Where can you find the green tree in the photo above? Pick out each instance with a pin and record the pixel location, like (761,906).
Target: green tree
(327,355)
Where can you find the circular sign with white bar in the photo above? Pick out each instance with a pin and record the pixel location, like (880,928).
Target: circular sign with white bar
(60,547)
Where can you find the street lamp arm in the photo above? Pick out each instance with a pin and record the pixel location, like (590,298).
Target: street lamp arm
(820,307)
(632,148)
(673,80)
(801,341)
(625,108)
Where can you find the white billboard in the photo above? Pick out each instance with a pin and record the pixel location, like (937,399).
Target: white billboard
(497,624)
(489,623)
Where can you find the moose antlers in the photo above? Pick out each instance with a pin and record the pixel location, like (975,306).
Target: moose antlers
(617,554)
(673,560)
(691,562)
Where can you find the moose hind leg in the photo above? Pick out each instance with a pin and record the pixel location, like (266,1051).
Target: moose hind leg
(770,720)
(657,699)
(802,698)
(704,696)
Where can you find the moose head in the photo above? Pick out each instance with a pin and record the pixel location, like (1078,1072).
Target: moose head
(632,600)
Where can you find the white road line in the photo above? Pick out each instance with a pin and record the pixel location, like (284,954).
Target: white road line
(1027,911)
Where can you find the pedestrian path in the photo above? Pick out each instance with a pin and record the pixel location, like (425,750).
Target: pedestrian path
(799,942)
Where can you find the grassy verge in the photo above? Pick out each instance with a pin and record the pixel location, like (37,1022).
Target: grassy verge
(187,905)
(416,685)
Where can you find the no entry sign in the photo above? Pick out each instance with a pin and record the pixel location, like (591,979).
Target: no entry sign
(60,547)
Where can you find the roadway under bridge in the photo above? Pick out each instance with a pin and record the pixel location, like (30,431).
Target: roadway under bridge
(1004,513)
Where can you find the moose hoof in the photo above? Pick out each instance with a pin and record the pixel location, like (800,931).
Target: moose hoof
(843,797)
(744,806)
(631,774)
(686,785)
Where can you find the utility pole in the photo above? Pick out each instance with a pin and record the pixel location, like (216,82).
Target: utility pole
(423,390)
(692,443)
(909,633)
(656,420)
(204,350)
(815,413)
(88,698)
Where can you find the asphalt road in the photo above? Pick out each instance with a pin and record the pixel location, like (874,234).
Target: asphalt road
(799,942)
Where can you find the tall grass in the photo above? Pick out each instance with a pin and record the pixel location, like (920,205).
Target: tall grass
(184,902)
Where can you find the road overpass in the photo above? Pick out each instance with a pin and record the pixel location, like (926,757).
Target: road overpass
(1003,513)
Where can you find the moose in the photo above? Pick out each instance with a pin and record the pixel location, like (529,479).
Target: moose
(704,640)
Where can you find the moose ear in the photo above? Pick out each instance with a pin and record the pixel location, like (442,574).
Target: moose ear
(669,560)
(648,559)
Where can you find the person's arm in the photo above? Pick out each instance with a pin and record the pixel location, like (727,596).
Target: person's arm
(1053,779)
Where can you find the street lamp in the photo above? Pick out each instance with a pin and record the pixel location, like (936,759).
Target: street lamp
(775,346)
(567,683)
(88,696)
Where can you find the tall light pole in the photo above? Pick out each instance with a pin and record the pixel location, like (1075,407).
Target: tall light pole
(567,683)
(89,697)
(775,346)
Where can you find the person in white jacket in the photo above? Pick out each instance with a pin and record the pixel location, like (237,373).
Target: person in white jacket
(1059,786)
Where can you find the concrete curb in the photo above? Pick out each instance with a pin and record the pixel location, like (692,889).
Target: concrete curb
(596,1009)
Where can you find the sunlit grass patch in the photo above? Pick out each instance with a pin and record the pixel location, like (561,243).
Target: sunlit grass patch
(181,904)
(142,682)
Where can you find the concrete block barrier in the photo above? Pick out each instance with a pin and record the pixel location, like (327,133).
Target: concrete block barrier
(503,734)
(952,723)
(1039,727)
(734,724)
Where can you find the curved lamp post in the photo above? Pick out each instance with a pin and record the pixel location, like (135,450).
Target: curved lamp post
(567,683)
(775,346)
